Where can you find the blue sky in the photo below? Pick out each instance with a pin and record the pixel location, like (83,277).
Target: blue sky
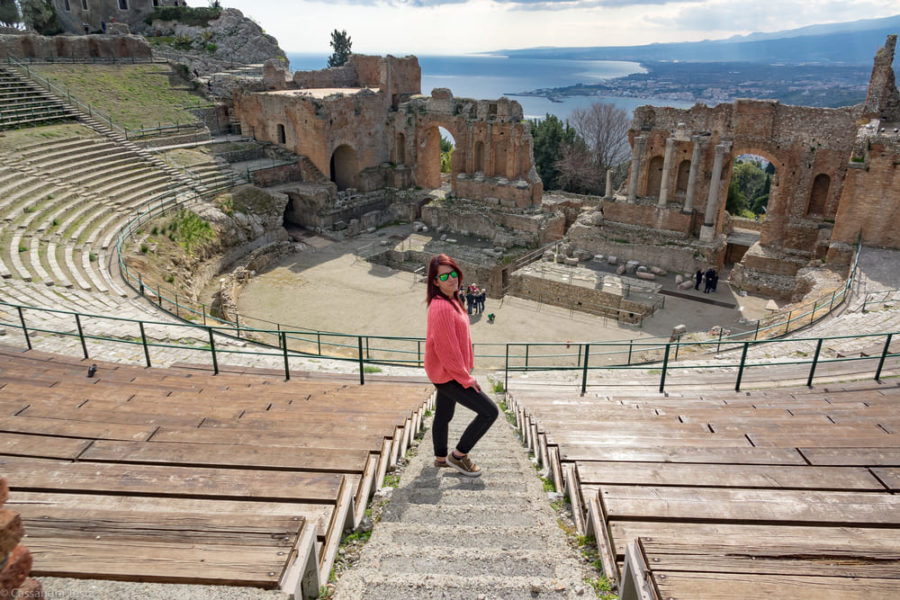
(466,26)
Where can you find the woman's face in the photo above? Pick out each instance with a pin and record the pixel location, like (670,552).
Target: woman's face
(449,287)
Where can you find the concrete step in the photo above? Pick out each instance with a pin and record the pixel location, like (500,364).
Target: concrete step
(513,514)
(505,538)
(417,586)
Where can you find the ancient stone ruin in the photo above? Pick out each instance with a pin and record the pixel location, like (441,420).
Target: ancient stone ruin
(835,182)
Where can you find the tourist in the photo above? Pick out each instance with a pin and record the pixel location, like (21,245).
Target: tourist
(709,276)
(715,281)
(491,317)
(448,362)
(699,277)
(470,299)
(482,296)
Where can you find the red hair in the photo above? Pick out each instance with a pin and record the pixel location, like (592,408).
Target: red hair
(433,289)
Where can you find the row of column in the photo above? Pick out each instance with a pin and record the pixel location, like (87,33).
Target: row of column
(712,199)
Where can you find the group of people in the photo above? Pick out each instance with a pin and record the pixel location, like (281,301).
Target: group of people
(710,277)
(475,299)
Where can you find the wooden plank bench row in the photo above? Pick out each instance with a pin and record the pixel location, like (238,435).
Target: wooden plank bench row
(795,469)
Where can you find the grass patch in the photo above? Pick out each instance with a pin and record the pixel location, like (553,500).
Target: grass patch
(371,369)
(497,387)
(132,95)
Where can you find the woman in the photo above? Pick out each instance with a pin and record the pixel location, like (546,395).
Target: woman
(448,362)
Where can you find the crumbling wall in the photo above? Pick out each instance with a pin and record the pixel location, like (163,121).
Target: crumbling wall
(79,47)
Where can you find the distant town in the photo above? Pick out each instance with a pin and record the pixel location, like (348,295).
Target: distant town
(715,83)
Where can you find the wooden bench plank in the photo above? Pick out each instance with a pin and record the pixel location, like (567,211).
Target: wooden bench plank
(247,436)
(31,505)
(683,454)
(847,457)
(660,440)
(876,438)
(76,429)
(51,475)
(731,586)
(41,446)
(890,476)
(768,559)
(333,460)
(810,540)
(743,476)
(806,506)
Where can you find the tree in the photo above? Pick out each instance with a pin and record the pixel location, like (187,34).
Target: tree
(9,13)
(748,191)
(40,16)
(446,155)
(604,129)
(550,135)
(341,43)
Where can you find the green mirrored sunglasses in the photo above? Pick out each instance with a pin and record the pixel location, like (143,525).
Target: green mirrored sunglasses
(445,276)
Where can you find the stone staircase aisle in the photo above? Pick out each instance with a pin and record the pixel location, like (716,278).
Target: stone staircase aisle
(447,536)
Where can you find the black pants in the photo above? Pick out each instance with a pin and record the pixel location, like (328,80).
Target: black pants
(448,395)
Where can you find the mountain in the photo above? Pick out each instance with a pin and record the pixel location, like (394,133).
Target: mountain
(853,43)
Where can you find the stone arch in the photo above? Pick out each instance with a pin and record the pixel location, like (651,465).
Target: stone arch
(498,153)
(428,153)
(344,167)
(681,179)
(400,150)
(654,176)
(282,138)
(818,195)
(478,166)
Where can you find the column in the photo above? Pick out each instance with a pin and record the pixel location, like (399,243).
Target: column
(609,176)
(666,173)
(488,160)
(640,143)
(707,232)
(692,177)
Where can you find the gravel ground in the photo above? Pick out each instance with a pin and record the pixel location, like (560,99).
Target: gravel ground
(60,588)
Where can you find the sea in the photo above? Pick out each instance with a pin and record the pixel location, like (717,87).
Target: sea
(488,77)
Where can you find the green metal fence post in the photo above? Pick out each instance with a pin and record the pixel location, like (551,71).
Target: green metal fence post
(418,352)
(362,376)
(24,329)
(177,314)
(579,355)
(719,343)
(144,343)
(677,346)
(203,308)
(737,384)
(506,371)
(368,356)
(287,370)
(212,348)
(662,379)
(141,285)
(587,351)
(756,334)
(159,296)
(527,346)
(887,344)
(81,334)
(812,369)
(630,346)
(237,323)
(319,342)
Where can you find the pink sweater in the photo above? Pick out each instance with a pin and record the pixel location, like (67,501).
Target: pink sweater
(448,345)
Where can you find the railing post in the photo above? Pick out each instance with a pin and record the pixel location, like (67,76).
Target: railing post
(287,370)
(584,372)
(662,379)
(418,352)
(787,327)
(237,323)
(177,314)
(677,346)
(203,308)
(719,343)
(812,369)
(141,285)
(212,348)
(368,355)
(579,355)
(362,376)
(159,296)
(756,334)
(506,371)
(887,344)
(527,346)
(737,385)
(81,334)
(144,343)
(319,342)
(630,346)
(24,328)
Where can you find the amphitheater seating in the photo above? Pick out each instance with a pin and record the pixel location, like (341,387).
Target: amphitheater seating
(724,494)
(23,104)
(179,475)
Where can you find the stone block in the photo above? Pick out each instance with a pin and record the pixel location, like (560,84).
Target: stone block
(686,285)
(599,258)
(560,258)
(508,202)
(16,570)
(645,275)
(549,256)
(444,237)
(631,266)
(658,271)
(11,531)
(679,330)
(340,226)
(642,269)
(451,241)
(370,230)
(571,261)
(611,260)
(678,279)
(620,270)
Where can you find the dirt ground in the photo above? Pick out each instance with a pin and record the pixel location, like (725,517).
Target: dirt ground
(329,288)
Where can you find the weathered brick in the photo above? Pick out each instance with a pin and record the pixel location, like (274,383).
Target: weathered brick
(16,571)
(11,531)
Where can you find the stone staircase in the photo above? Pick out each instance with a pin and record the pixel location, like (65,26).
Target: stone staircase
(24,104)
(447,536)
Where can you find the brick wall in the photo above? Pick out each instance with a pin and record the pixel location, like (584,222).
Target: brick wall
(17,565)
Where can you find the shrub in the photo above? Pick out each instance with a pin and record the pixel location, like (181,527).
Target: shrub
(198,17)
(211,48)
(92,257)
(144,248)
